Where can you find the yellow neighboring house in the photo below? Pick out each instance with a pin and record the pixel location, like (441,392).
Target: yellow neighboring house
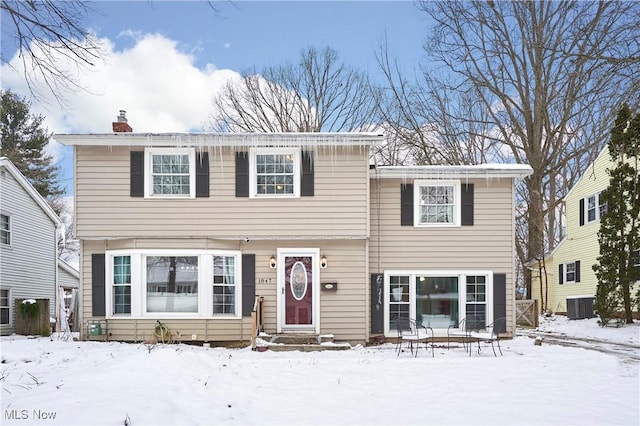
(569,267)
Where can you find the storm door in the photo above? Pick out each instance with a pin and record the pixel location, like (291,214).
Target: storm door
(298,290)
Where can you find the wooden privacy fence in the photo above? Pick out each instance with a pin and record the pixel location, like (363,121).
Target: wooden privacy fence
(527,313)
(32,318)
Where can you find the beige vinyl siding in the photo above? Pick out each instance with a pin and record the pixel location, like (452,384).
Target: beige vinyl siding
(342,313)
(104,208)
(487,245)
(582,241)
(28,266)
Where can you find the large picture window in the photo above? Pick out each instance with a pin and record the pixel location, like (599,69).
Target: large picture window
(170,172)
(439,299)
(437,203)
(275,172)
(174,283)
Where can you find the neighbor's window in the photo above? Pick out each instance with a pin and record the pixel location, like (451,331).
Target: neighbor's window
(437,203)
(275,172)
(4,306)
(570,272)
(224,285)
(596,208)
(170,172)
(172,283)
(122,284)
(5,229)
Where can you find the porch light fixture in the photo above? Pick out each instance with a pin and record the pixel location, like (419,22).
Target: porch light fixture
(323,261)
(272,262)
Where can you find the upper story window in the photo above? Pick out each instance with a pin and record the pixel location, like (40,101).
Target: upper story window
(5,230)
(275,172)
(437,203)
(170,172)
(596,207)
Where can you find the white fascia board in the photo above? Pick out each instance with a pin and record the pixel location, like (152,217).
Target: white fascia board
(7,164)
(588,171)
(450,171)
(219,139)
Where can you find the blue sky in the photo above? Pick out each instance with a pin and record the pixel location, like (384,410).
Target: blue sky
(163,61)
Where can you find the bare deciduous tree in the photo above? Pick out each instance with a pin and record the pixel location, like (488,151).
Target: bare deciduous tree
(43,32)
(541,79)
(317,94)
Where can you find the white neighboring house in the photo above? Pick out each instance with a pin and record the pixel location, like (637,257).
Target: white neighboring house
(28,245)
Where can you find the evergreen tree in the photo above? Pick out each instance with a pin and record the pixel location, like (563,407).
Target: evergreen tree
(23,142)
(619,234)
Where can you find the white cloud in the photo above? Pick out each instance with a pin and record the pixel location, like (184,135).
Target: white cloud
(227,45)
(156,83)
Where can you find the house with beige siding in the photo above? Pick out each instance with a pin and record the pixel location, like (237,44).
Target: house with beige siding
(28,246)
(570,280)
(199,230)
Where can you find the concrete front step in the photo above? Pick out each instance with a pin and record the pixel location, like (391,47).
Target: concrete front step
(300,342)
(283,347)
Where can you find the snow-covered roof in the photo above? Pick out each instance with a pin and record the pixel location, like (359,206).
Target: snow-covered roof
(453,171)
(24,182)
(219,139)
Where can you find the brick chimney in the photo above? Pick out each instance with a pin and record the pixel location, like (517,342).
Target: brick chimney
(121,125)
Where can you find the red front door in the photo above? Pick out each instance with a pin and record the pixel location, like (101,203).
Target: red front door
(298,290)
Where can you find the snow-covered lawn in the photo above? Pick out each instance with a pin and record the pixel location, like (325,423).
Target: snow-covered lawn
(47,381)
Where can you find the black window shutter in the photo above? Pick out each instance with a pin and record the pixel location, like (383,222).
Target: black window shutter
(136,183)
(98,307)
(377,303)
(500,299)
(467,205)
(242,174)
(561,273)
(581,211)
(577,271)
(406,204)
(248,283)
(202,174)
(306,177)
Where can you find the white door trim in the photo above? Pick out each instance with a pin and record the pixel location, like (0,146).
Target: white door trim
(315,262)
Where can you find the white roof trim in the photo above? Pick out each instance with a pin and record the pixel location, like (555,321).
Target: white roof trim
(4,162)
(587,172)
(219,139)
(451,171)
(70,269)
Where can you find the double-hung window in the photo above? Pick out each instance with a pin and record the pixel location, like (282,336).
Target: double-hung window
(224,285)
(170,172)
(437,203)
(275,172)
(569,272)
(596,208)
(122,284)
(4,306)
(5,229)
